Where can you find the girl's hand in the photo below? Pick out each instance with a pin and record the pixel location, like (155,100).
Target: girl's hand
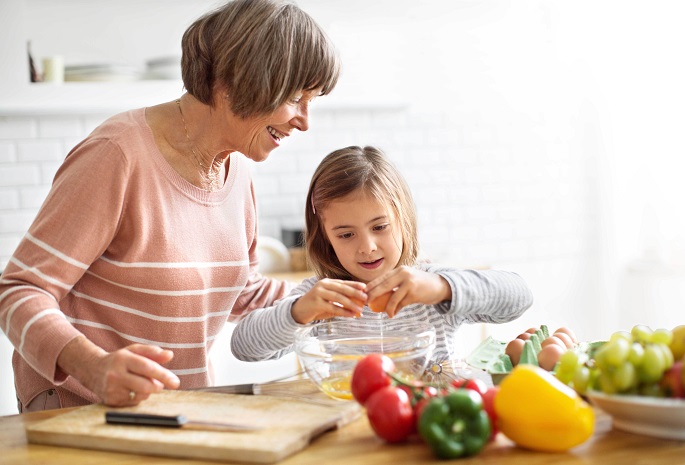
(330,298)
(113,376)
(410,286)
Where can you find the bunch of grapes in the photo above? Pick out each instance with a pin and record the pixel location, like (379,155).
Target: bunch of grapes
(628,363)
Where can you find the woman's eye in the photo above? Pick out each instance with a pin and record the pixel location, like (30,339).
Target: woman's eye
(296,100)
(380,227)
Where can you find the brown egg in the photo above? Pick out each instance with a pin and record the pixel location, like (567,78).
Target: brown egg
(532,330)
(568,342)
(553,340)
(514,349)
(524,336)
(549,356)
(568,332)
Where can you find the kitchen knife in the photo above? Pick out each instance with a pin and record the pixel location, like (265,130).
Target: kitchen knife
(173,421)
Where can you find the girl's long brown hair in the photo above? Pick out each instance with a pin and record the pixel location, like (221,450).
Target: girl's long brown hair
(344,172)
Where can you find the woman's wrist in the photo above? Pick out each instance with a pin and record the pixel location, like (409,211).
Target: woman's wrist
(79,358)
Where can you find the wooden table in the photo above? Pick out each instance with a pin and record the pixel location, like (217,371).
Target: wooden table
(357,444)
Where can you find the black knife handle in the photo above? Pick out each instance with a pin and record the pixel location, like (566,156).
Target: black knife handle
(145,419)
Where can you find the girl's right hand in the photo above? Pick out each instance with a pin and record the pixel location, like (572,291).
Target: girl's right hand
(330,298)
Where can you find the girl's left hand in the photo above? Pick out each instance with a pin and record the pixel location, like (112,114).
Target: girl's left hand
(410,286)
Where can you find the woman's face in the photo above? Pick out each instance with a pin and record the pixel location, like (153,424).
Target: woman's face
(364,234)
(257,136)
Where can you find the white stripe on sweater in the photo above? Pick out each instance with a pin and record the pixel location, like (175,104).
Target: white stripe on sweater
(132,311)
(238,263)
(56,252)
(39,273)
(167,345)
(209,290)
(14,306)
(36,317)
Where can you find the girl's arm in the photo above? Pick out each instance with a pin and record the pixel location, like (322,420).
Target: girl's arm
(269,333)
(493,296)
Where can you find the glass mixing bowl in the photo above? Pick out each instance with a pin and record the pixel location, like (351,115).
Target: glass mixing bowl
(329,351)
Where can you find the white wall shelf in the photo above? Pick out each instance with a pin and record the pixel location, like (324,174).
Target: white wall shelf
(113,97)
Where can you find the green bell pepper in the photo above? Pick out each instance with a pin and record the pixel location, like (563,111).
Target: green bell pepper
(455,425)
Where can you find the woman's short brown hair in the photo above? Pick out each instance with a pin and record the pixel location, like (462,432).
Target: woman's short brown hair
(261,51)
(342,173)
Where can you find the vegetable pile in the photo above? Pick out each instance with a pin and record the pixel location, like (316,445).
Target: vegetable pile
(531,407)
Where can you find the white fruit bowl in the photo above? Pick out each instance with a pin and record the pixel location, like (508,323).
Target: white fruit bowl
(649,416)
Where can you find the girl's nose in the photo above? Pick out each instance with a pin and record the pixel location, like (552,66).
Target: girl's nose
(367,246)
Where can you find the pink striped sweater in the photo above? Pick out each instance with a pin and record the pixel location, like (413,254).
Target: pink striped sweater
(124,250)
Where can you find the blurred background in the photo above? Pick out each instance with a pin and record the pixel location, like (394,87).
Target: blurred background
(542,137)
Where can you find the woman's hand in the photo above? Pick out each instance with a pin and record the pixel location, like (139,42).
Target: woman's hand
(410,286)
(330,298)
(121,378)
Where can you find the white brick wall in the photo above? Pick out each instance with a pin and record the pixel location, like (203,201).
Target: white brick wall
(487,193)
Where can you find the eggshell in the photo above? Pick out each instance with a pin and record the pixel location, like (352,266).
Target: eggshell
(568,332)
(532,330)
(514,349)
(524,336)
(549,356)
(553,340)
(566,338)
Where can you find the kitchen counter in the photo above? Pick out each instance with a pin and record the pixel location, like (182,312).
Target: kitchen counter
(357,444)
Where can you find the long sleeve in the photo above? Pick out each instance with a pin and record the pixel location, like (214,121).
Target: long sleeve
(490,296)
(124,250)
(269,333)
(485,296)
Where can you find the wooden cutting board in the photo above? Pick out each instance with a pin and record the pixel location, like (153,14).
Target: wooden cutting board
(289,424)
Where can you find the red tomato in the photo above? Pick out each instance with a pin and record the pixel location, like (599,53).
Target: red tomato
(474,384)
(370,374)
(489,407)
(390,414)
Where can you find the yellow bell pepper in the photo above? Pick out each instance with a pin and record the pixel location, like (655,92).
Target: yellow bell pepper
(539,412)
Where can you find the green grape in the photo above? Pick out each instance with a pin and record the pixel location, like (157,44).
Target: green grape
(601,357)
(662,336)
(565,376)
(606,383)
(653,365)
(581,379)
(593,382)
(621,335)
(613,353)
(641,333)
(568,361)
(624,377)
(636,354)
(668,355)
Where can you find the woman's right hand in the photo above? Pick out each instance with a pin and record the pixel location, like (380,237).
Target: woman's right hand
(113,376)
(330,298)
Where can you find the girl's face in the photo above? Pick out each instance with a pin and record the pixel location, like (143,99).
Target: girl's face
(364,234)
(259,135)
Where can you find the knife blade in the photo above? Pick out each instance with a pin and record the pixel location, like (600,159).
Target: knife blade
(174,421)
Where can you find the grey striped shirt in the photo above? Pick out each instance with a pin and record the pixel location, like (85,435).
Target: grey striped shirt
(487,296)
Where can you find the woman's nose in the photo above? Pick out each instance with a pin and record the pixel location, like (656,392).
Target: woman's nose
(301,119)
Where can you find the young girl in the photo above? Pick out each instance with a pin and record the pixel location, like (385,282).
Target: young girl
(362,243)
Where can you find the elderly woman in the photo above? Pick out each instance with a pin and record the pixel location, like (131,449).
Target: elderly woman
(146,244)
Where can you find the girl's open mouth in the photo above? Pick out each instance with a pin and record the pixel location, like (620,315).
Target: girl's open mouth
(371,265)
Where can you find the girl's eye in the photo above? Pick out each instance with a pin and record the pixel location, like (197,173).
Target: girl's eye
(345,235)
